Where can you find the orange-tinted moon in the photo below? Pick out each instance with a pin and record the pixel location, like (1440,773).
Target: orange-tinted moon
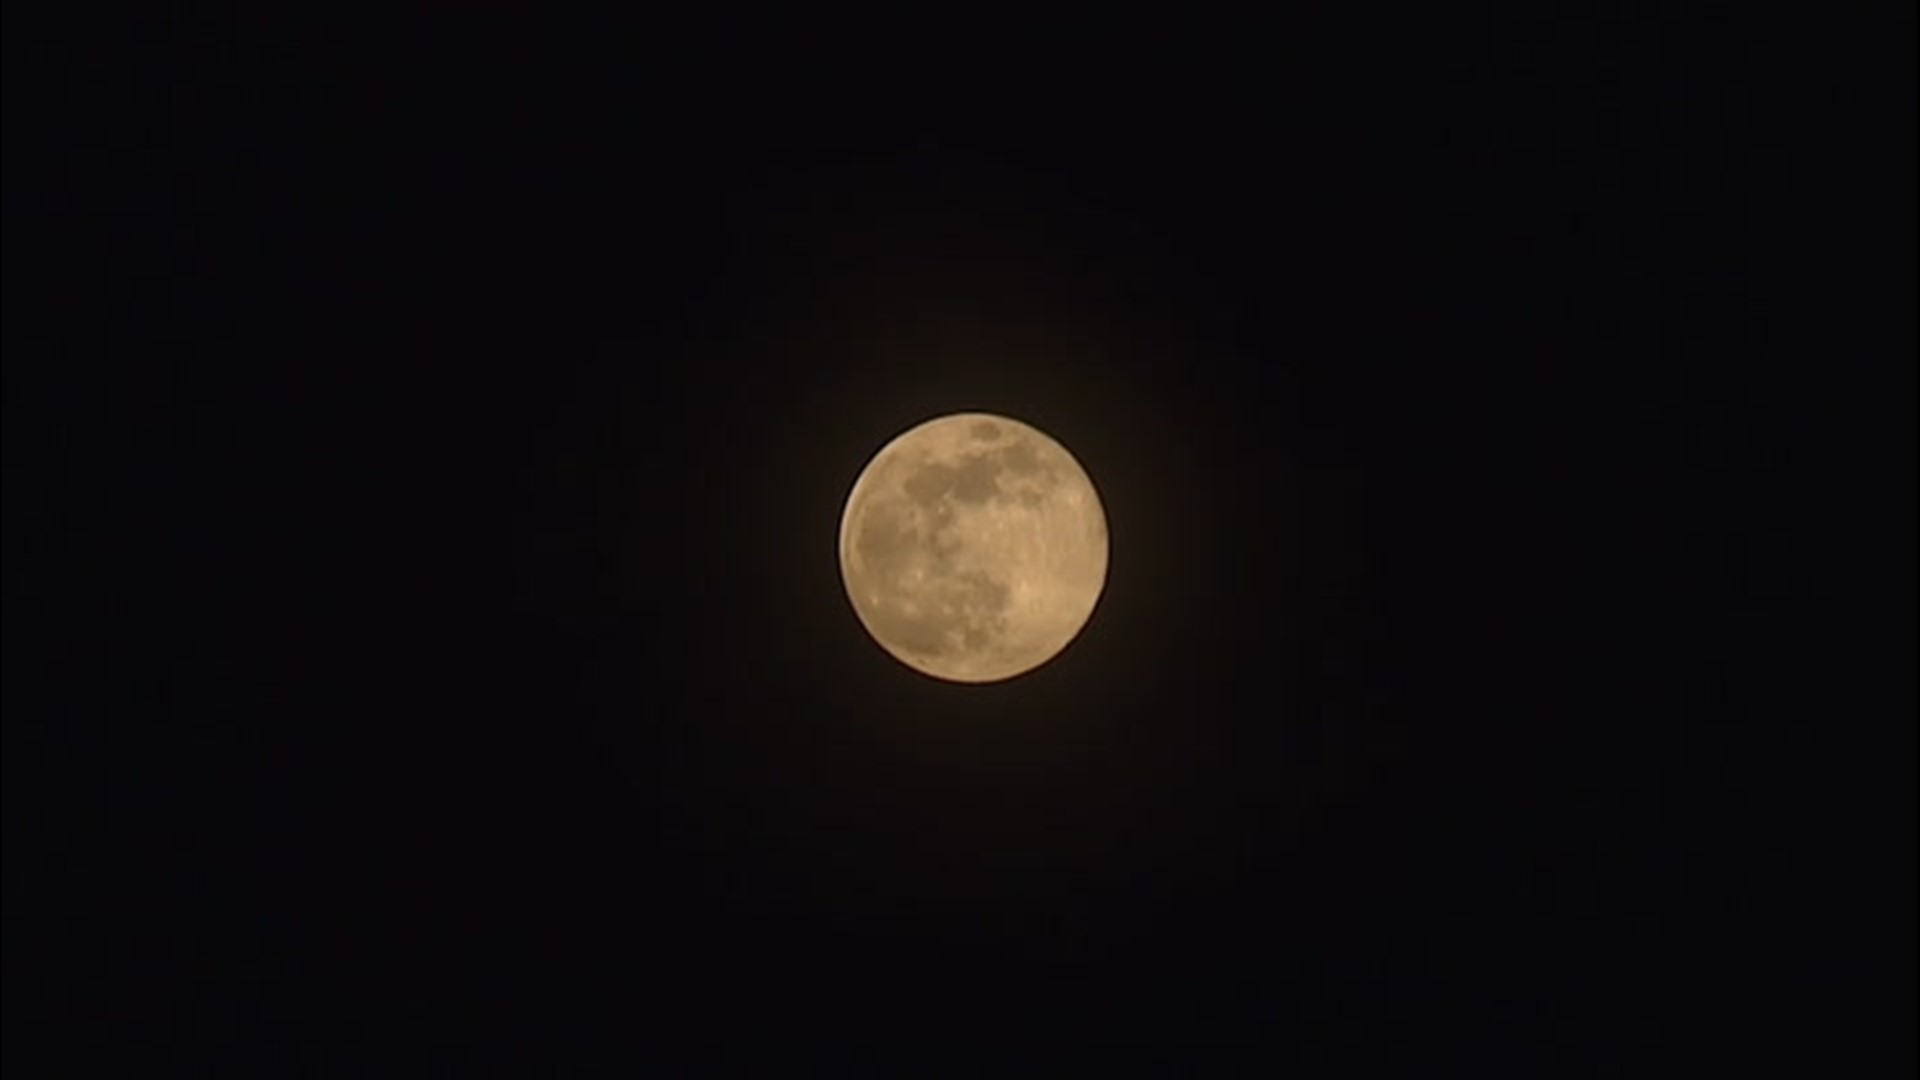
(973,548)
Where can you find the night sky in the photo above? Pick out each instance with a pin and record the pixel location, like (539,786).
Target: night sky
(425,646)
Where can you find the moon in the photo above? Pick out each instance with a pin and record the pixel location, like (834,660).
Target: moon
(973,548)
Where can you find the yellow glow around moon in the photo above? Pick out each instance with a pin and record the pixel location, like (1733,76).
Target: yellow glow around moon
(973,548)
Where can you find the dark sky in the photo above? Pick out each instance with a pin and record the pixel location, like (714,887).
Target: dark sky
(425,650)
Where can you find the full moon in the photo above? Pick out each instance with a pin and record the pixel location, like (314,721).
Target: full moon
(973,548)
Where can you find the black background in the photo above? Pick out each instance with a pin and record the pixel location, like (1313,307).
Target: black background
(424,448)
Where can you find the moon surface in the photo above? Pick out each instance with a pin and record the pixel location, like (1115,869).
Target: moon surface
(973,548)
